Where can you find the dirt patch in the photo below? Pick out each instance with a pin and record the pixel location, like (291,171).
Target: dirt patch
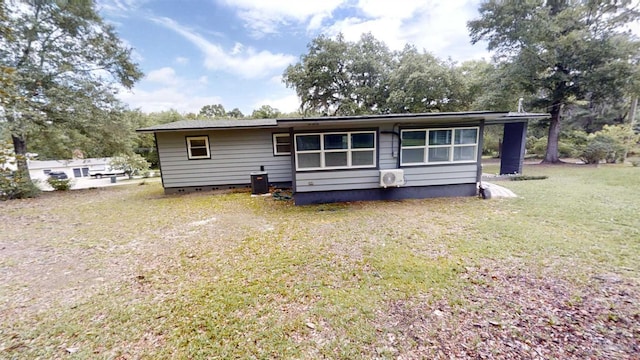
(56,250)
(511,314)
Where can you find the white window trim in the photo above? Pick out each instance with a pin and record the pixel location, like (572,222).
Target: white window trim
(451,147)
(348,150)
(189,147)
(275,144)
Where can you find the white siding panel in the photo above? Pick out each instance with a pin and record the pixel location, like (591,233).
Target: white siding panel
(234,155)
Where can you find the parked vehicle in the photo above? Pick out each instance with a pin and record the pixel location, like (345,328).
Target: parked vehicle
(60,175)
(106,171)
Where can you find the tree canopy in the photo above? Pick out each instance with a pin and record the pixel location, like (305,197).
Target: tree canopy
(60,67)
(562,51)
(338,77)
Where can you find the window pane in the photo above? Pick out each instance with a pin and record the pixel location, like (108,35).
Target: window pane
(308,142)
(440,137)
(282,139)
(413,138)
(197,143)
(308,160)
(362,141)
(283,148)
(466,136)
(199,152)
(335,141)
(462,153)
(335,159)
(360,158)
(412,156)
(439,154)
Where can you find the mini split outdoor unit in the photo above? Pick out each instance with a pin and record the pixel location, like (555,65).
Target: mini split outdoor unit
(393,177)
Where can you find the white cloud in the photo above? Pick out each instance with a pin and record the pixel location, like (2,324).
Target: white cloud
(391,9)
(242,61)
(119,7)
(286,103)
(167,98)
(165,76)
(439,27)
(182,60)
(264,17)
(163,89)
(237,49)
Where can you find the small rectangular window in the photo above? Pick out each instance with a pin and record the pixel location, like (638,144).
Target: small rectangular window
(281,144)
(198,147)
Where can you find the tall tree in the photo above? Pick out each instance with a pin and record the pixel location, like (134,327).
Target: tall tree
(216,111)
(65,61)
(424,83)
(265,112)
(235,114)
(337,77)
(559,51)
(320,78)
(369,64)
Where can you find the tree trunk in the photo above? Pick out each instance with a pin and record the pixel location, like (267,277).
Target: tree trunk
(632,111)
(20,148)
(552,155)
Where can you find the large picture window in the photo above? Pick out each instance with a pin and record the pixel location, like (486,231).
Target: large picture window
(198,147)
(339,150)
(437,146)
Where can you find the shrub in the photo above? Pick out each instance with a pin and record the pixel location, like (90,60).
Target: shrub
(130,163)
(566,149)
(14,186)
(59,184)
(611,144)
(596,151)
(491,141)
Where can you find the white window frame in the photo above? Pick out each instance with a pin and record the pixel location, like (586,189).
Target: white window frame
(206,143)
(275,144)
(451,147)
(349,150)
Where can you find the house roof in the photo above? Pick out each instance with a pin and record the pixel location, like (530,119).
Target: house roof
(211,124)
(489,117)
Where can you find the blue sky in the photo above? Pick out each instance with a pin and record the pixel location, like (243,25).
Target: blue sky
(233,52)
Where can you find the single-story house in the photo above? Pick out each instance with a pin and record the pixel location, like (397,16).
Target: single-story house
(74,168)
(339,158)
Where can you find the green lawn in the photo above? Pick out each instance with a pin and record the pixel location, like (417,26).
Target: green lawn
(127,272)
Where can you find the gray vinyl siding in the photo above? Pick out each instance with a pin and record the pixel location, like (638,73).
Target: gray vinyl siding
(337,180)
(388,144)
(440,174)
(234,155)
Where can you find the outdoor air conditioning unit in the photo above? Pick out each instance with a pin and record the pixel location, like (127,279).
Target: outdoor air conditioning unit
(393,177)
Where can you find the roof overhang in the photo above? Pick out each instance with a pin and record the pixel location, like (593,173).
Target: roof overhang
(488,117)
(198,125)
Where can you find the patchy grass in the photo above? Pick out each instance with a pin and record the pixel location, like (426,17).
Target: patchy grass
(127,272)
